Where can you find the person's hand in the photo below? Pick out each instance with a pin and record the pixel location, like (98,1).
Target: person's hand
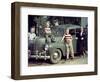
(35,37)
(82,38)
(76,38)
(61,40)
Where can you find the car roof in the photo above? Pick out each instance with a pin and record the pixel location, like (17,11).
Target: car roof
(69,26)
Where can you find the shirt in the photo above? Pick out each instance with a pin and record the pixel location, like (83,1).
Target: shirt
(47,30)
(68,38)
(31,36)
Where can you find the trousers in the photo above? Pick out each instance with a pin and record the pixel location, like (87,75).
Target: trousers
(69,50)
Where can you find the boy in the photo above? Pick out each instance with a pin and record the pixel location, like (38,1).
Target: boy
(31,39)
(48,34)
(68,43)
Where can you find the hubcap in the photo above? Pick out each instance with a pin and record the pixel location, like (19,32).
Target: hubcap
(56,55)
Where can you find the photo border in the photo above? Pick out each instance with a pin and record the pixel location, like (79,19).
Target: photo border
(15,39)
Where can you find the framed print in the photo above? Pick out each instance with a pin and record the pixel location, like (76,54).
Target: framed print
(50,40)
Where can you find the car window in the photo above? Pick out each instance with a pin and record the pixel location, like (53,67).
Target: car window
(78,30)
(57,31)
(72,31)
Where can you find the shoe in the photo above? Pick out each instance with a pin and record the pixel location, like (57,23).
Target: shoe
(66,58)
(72,58)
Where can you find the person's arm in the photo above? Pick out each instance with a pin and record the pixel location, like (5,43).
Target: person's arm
(34,36)
(82,37)
(77,36)
(63,37)
(45,30)
(71,37)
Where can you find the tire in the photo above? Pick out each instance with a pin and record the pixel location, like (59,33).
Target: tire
(55,56)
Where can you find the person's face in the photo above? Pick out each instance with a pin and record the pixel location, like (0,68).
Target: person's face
(81,29)
(67,31)
(32,30)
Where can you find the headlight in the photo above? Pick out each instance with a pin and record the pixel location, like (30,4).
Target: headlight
(46,47)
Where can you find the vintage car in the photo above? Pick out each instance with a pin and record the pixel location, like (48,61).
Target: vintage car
(56,49)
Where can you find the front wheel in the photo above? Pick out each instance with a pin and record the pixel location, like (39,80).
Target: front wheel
(55,56)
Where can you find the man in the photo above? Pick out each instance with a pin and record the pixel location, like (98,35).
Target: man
(31,38)
(81,41)
(68,43)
